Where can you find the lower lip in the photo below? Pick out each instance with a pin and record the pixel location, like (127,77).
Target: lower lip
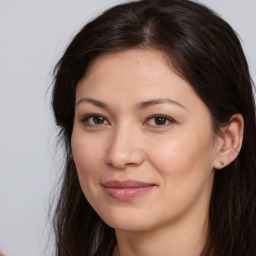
(127,193)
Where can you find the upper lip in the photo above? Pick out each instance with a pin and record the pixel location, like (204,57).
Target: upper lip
(126,184)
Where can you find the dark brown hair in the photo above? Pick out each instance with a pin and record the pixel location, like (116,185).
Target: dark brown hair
(205,51)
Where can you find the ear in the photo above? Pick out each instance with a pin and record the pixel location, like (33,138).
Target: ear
(229,142)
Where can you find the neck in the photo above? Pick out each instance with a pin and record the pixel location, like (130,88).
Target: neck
(179,240)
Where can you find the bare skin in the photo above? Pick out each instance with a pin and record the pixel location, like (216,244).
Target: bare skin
(137,122)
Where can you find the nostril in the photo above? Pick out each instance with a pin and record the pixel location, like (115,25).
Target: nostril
(122,160)
(124,148)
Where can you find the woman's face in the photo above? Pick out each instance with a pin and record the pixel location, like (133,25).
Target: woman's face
(142,142)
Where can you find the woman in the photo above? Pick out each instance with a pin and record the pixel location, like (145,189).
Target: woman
(155,107)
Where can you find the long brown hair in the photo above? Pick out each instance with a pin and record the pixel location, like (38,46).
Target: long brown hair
(205,51)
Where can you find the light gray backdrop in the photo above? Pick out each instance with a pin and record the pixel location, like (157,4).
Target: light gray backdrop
(33,34)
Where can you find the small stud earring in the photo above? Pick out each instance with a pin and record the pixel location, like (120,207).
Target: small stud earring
(221,162)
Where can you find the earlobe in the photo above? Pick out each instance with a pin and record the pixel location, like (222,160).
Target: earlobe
(230,142)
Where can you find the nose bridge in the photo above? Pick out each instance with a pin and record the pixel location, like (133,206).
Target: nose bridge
(125,146)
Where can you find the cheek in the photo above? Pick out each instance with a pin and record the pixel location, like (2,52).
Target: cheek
(182,156)
(84,153)
(185,170)
(87,157)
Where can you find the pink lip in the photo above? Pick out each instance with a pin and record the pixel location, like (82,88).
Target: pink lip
(125,190)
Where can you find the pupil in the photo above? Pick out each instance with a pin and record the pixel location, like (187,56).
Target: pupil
(98,120)
(160,120)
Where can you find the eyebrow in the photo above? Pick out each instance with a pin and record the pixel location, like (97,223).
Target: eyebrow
(94,102)
(149,103)
(139,106)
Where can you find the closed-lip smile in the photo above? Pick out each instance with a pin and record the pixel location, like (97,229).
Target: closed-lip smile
(127,189)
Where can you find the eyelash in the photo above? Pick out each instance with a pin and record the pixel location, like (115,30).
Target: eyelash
(85,119)
(165,119)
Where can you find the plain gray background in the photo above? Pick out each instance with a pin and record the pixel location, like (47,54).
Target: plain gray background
(33,35)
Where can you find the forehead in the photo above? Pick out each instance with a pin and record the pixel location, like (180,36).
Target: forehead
(144,58)
(126,79)
(134,75)
(132,64)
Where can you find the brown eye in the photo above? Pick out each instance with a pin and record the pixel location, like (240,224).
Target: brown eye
(160,120)
(98,120)
(94,120)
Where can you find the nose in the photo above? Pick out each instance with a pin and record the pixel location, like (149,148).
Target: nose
(125,148)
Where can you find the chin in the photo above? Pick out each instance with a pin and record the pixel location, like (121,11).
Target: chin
(131,221)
